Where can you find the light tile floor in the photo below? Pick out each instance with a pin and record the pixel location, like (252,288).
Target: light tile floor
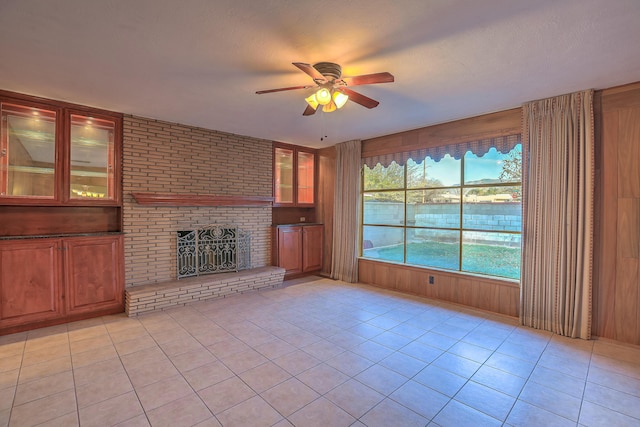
(314,353)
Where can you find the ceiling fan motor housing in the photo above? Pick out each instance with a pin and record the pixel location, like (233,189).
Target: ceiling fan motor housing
(330,70)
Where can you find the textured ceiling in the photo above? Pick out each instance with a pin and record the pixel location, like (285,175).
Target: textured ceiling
(199,62)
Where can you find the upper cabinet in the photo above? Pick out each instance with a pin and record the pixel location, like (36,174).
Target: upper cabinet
(55,154)
(294,175)
(92,158)
(29,152)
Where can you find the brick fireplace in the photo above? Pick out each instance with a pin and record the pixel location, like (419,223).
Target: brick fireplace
(164,157)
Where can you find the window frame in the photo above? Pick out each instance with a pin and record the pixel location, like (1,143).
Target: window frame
(462,188)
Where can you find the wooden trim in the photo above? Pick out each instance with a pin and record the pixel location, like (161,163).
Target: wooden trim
(160,199)
(21,97)
(491,125)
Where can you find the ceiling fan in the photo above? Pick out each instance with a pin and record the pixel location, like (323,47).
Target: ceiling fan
(333,91)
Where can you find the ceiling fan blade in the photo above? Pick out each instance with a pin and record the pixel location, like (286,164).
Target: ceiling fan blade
(308,68)
(369,79)
(359,98)
(309,111)
(283,89)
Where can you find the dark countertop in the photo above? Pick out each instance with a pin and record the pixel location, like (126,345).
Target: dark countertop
(56,236)
(297,223)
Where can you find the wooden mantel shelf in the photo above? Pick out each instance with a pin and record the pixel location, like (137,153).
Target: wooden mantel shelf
(163,199)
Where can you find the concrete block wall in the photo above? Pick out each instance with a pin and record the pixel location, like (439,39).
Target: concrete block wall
(483,215)
(164,157)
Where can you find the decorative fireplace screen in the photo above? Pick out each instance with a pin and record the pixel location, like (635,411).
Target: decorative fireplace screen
(213,249)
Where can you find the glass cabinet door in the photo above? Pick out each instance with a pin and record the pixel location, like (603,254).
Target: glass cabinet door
(283,176)
(306,175)
(92,158)
(27,152)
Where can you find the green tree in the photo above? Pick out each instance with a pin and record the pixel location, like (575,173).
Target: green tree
(512,166)
(381,178)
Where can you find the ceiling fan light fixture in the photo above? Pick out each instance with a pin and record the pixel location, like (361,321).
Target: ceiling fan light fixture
(340,99)
(323,96)
(312,101)
(330,107)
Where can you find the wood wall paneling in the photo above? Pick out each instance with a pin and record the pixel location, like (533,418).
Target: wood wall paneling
(606,219)
(324,207)
(628,228)
(616,287)
(486,294)
(626,300)
(629,153)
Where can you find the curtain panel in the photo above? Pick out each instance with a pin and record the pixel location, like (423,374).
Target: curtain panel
(480,147)
(346,211)
(558,186)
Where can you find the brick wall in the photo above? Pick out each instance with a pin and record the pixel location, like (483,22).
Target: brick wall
(167,157)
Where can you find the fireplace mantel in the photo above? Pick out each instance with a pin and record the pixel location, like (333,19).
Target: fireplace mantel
(166,199)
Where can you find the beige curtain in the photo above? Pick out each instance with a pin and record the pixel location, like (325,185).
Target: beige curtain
(558,179)
(346,230)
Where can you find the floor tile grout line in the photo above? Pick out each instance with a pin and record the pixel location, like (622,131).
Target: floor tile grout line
(173,364)
(15,390)
(127,372)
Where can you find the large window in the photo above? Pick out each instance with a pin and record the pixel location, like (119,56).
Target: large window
(456,214)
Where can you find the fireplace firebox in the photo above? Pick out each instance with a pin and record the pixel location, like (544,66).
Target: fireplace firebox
(213,249)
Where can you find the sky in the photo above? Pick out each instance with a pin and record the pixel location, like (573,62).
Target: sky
(477,168)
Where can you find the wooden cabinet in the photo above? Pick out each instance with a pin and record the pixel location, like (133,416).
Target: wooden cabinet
(53,280)
(312,247)
(60,167)
(294,176)
(30,272)
(60,177)
(298,248)
(58,154)
(94,273)
(289,249)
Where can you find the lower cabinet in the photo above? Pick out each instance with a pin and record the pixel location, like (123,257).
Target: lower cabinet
(94,274)
(30,285)
(298,248)
(59,279)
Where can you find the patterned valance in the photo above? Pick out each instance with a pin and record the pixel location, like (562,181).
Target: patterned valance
(480,147)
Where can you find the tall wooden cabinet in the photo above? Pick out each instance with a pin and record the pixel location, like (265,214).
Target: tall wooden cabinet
(297,240)
(298,248)
(294,176)
(61,244)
